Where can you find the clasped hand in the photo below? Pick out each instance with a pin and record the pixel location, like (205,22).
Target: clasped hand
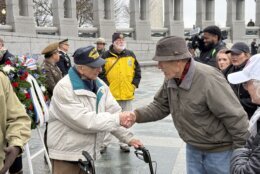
(127,119)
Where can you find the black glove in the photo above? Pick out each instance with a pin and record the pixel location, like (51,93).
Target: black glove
(11,153)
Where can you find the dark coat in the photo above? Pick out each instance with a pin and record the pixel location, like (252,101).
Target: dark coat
(247,160)
(64,63)
(209,56)
(253,48)
(7,56)
(240,92)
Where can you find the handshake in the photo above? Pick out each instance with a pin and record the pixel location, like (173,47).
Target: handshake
(127,119)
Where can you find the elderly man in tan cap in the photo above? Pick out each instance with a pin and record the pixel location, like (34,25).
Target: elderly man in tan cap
(53,73)
(204,109)
(101,43)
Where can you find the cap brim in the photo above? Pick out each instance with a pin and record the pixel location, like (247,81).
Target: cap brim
(238,77)
(173,57)
(97,63)
(236,51)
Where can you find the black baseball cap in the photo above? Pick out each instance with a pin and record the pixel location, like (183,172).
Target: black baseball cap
(88,56)
(238,48)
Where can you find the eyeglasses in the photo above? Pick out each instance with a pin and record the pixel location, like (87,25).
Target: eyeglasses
(101,44)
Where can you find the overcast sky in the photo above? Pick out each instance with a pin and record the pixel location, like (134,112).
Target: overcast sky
(220,12)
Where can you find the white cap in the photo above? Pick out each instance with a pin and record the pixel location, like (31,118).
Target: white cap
(250,72)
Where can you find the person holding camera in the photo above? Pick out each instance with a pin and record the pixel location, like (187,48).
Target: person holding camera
(212,43)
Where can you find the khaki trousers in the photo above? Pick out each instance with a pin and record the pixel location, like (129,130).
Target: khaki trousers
(65,167)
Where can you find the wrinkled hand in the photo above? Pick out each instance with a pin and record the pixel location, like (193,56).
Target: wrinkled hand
(127,119)
(136,143)
(11,153)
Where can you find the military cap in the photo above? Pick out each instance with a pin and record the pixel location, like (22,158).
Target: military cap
(88,56)
(63,41)
(47,51)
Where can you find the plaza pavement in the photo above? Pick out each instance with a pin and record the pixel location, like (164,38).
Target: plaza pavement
(160,138)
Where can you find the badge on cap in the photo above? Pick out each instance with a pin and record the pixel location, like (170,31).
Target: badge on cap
(121,36)
(93,54)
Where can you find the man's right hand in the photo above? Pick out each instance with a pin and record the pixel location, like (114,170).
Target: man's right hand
(127,119)
(11,153)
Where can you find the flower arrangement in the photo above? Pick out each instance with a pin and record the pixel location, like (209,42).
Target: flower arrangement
(18,71)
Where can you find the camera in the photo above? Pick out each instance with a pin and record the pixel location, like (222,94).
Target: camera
(195,38)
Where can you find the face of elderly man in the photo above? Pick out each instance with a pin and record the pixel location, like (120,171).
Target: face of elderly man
(171,69)
(89,73)
(253,88)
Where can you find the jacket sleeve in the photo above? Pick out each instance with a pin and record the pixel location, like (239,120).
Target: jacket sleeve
(18,123)
(112,106)
(68,109)
(220,95)
(137,75)
(247,160)
(156,110)
(50,82)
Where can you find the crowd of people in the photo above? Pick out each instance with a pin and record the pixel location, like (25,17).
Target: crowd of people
(91,100)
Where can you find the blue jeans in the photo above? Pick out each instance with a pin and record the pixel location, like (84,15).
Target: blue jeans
(200,162)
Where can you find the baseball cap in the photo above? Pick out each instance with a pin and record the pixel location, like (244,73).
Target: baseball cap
(88,56)
(238,48)
(171,48)
(250,72)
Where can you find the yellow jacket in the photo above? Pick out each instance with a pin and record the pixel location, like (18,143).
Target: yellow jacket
(124,76)
(15,123)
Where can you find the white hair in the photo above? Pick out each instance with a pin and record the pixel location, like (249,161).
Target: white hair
(256,84)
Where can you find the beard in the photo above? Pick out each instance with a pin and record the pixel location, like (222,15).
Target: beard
(120,48)
(208,47)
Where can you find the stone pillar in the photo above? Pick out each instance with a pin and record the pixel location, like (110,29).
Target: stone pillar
(104,17)
(236,19)
(64,17)
(20,16)
(257,13)
(173,13)
(205,13)
(140,19)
